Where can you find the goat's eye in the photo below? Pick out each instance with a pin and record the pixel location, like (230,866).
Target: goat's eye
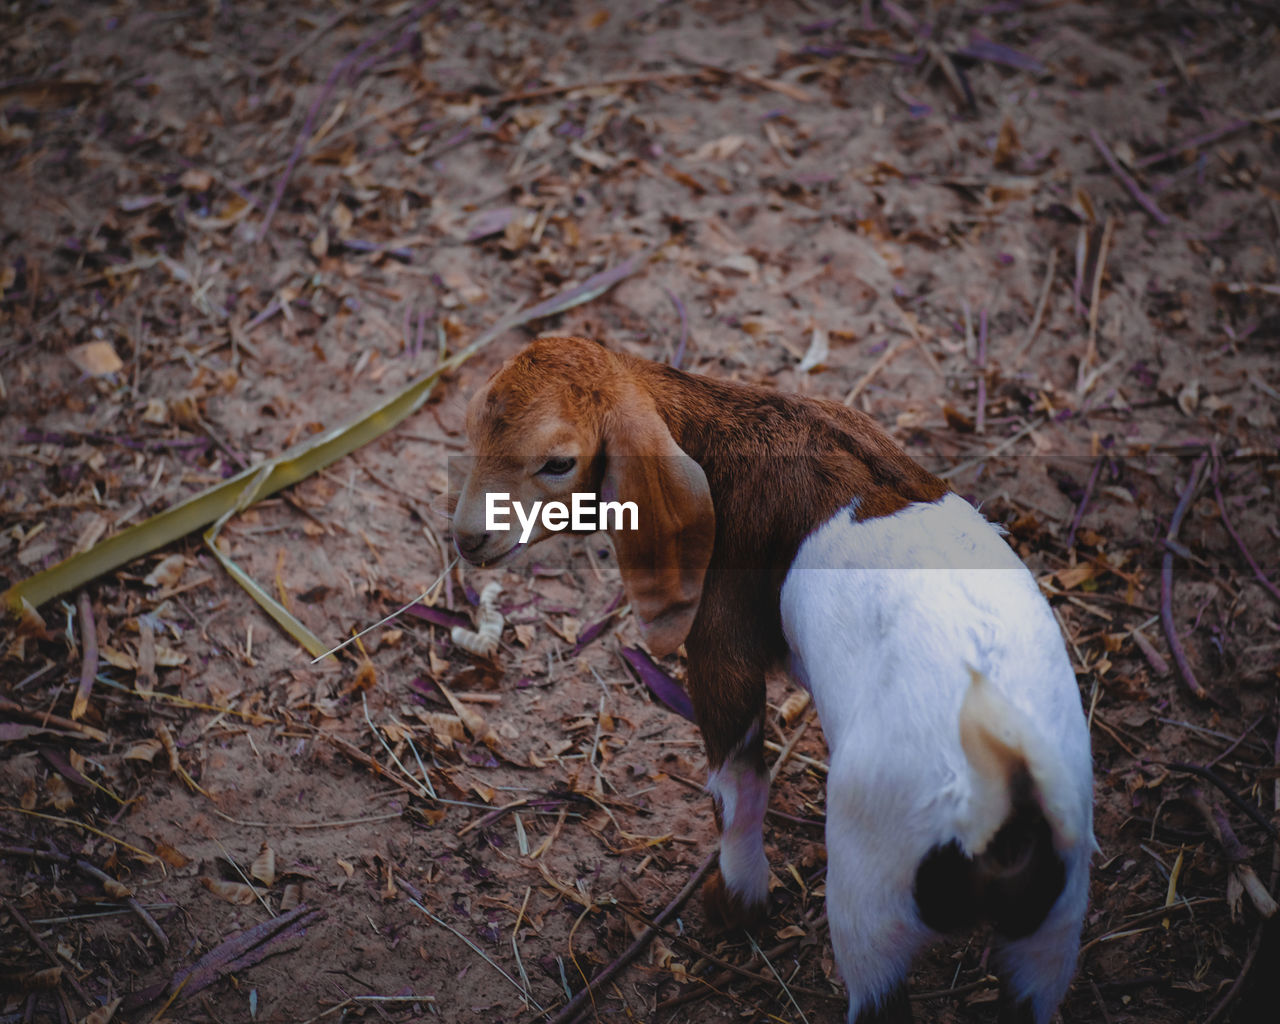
(557,465)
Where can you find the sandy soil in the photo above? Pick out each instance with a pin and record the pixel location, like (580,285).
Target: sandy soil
(1040,244)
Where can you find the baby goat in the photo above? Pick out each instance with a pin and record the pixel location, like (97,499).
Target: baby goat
(776,529)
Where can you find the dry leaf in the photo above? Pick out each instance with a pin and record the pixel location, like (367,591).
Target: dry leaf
(1007,145)
(170,747)
(118,659)
(116,890)
(291,898)
(819,349)
(347,866)
(1189,397)
(96,358)
(1069,579)
(103,1014)
(264,866)
(320,244)
(791,932)
(232,892)
(171,855)
(59,792)
(366,677)
(719,149)
(471,718)
(444,728)
(167,657)
(167,572)
(144,750)
(156,413)
(196,181)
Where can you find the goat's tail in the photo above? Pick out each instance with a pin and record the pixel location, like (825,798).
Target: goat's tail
(1007,865)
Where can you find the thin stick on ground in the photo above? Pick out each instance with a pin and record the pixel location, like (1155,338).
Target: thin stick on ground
(1166,582)
(40,944)
(999,449)
(1127,180)
(1084,380)
(575,1006)
(898,344)
(108,882)
(339,71)
(528,996)
(1084,501)
(785,752)
(769,964)
(1261,576)
(89,667)
(1041,304)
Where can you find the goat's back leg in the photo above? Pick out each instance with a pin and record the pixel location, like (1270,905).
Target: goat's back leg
(875,927)
(1035,969)
(892,1009)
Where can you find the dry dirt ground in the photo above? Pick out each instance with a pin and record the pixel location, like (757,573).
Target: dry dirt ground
(1038,241)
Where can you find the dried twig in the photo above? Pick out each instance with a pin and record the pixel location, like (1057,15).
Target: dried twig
(980,362)
(1084,501)
(243,950)
(999,449)
(1166,582)
(785,752)
(89,666)
(413,898)
(1254,945)
(43,946)
(1083,379)
(677,358)
(45,718)
(1237,855)
(1127,180)
(892,350)
(112,886)
(1262,577)
(1211,776)
(340,71)
(575,1006)
(774,971)
(1041,303)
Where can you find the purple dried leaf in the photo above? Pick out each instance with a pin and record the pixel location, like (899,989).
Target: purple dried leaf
(592,631)
(487,223)
(243,950)
(438,616)
(982,48)
(661,685)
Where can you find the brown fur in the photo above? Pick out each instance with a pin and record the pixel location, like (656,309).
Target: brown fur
(776,466)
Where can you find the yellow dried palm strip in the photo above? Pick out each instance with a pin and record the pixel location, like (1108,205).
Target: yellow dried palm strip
(209,505)
(256,482)
(283,617)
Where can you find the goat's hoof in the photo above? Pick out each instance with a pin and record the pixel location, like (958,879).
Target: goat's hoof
(727,910)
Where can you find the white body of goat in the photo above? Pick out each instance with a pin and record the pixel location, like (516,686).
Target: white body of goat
(910,630)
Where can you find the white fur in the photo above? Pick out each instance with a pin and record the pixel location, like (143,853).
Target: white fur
(744,796)
(885,620)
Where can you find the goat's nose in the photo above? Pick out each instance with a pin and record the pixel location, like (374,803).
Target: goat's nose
(470,543)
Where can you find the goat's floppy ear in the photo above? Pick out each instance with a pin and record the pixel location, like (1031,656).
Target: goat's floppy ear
(663,562)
